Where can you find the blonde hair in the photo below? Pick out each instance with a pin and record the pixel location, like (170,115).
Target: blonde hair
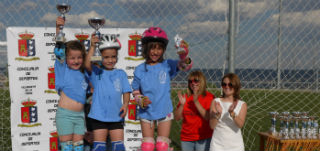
(202,81)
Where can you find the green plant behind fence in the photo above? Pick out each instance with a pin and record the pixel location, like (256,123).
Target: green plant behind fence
(5,131)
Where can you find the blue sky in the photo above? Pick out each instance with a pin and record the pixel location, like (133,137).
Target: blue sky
(203,23)
(201,15)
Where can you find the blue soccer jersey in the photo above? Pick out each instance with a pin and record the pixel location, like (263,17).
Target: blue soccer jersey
(109,85)
(154,82)
(72,82)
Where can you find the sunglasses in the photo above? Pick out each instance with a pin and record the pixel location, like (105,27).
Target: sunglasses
(226,84)
(194,80)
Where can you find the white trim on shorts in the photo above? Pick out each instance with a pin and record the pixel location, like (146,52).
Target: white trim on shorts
(167,118)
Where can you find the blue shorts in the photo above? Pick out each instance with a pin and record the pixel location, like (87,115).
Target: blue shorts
(70,122)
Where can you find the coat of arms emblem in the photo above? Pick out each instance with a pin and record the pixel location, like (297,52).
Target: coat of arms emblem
(135,47)
(29,113)
(26,47)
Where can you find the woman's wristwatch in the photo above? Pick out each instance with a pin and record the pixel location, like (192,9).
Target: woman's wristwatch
(216,115)
(233,115)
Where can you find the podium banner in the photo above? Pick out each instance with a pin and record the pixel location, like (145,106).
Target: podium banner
(34,100)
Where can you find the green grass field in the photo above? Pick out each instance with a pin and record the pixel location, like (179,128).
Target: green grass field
(260,103)
(5,131)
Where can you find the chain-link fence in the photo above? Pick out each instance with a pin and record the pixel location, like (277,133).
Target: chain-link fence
(276,51)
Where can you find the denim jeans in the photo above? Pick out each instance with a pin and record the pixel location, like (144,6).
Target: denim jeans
(200,145)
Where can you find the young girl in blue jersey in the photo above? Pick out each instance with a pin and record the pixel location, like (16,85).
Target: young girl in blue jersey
(71,85)
(151,88)
(110,84)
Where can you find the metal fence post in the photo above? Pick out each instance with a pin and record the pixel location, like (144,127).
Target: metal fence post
(279,48)
(231,35)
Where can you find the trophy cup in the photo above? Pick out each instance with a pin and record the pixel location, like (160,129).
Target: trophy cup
(273,130)
(178,44)
(316,129)
(285,125)
(304,113)
(63,9)
(296,125)
(304,127)
(291,127)
(96,23)
(282,126)
(311,128)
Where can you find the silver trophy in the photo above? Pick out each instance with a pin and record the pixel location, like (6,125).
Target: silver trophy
(316,129)
(281,130)
(178,41)
(291,127)
(296,125)
(96,23)
(304,127)
(286,127)
(63,9)
(311,128)
(285,130)
(273,130)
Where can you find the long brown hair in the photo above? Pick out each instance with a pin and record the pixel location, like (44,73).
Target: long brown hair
(77,46)
(202,81)
(150,45)
(235,81)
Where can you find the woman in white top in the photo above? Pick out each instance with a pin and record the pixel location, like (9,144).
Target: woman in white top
(227,116)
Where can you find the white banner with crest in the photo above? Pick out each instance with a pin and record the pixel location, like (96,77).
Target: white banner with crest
(34,100)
